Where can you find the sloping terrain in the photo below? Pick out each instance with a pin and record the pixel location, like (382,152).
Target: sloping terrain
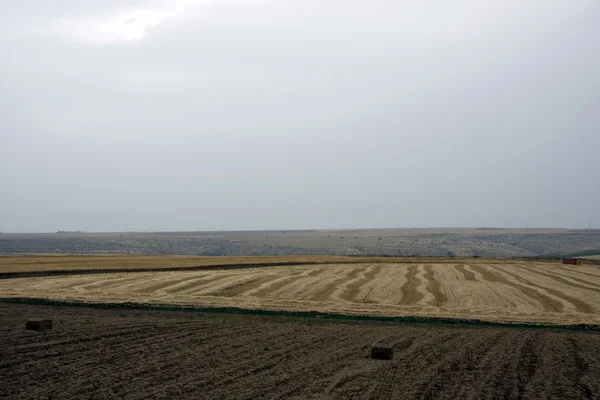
(49,264)
(435,242)
(508,291)
(124,354)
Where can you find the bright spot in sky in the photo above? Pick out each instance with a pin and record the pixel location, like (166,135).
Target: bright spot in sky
(131,24)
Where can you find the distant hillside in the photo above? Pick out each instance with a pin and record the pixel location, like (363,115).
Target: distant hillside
(465,242)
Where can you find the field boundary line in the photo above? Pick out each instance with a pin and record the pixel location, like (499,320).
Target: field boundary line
(300,314)
(219,267)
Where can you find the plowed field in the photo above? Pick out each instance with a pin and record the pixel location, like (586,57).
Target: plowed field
(115,354)
(495,291)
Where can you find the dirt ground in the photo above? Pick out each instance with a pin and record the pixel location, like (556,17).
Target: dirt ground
(135,354)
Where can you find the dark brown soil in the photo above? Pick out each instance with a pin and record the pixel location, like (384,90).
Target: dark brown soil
(134,354)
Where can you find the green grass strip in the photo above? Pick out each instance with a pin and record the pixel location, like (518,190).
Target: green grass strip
(298,314)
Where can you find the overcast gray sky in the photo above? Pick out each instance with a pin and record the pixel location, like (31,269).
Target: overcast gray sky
(269,114)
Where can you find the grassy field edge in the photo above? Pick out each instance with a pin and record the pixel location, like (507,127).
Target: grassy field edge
(298,314)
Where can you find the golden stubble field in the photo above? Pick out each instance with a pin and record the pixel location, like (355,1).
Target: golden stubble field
(43,263)
(514,291)
(49,263)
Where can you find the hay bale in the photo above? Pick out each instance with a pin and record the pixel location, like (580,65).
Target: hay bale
(380,351)
(39,325)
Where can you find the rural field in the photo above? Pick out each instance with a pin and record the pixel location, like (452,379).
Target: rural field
(28,264)
(103,346)
(136,354)
(490,290)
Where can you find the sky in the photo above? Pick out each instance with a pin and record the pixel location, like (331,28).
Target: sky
(297,114)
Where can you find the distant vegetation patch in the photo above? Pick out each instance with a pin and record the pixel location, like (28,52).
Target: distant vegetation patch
(584,253)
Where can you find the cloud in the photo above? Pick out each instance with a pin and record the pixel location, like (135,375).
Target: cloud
(425,113)
(129,24)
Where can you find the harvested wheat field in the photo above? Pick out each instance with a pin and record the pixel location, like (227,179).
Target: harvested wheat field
(29,264)
(137,354)
(516,291)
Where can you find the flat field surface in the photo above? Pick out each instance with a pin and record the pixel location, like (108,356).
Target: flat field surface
(510,291)
(126,354)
